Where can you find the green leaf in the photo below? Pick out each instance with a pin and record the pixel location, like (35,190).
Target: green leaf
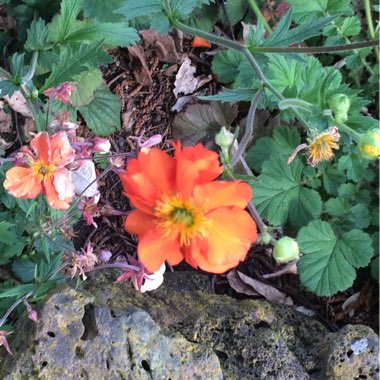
(332,179)
(347,27)
(337,206)
(86,85)
(24,269)
(354,166)
(17,291)
(226,65)
(305,11)
(204,18)
(37,36)
(64,23)
(103,10)
(278,195)
(359,216)
(72,63)
(282,36)
(285,140)
(328,262)
(200,121)
(17,68)
(6,236)
(102,115)
(112,34)
(132,8)
(182,8)
(235,10)
(231,96)
(7,88)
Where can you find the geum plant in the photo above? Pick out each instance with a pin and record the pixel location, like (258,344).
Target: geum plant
(316,176)
(323,198)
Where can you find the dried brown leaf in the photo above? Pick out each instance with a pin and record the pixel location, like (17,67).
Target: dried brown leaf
(238,285)
(139,65)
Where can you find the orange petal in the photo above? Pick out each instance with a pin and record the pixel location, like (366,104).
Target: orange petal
(200,42)
(21,183)
(148,177)
(52,196)
(195,165)
(62,153)
(231,234)
(222,193)
(63,184)
(41,145)
(138,222)
(153,249)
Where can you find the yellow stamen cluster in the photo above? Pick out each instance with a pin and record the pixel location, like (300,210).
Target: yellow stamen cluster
(321,148)
(177,216)
(42,171)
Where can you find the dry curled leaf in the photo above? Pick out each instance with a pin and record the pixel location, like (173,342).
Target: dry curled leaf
(248,284)
(139,65)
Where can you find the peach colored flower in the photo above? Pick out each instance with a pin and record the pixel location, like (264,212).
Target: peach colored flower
(61,92)
(182,214)
(44,171)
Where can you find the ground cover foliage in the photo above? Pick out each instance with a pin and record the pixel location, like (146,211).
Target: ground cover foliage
(292,114)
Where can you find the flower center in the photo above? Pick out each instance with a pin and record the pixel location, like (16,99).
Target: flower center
(42,171)
(178,216)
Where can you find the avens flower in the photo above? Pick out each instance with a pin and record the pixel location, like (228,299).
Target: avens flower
(3,340)
(181,213)
(61,92)
(369,144)
(320,148)
(83,262)
(44,171)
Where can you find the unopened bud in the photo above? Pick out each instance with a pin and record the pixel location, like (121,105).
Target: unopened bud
(340,105)
(101,145)
(369,144)
(224,138)
(285,250)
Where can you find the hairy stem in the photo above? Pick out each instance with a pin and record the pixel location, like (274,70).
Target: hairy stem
(259,15)
(371,29)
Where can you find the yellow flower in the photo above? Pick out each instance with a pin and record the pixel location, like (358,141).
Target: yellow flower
(321,148)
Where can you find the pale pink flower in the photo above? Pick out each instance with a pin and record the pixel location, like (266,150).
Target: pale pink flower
(3,340)
(61,92)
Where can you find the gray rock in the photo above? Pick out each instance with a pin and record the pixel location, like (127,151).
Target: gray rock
(107,330)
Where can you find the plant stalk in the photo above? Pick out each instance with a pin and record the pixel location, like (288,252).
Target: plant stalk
(259,15)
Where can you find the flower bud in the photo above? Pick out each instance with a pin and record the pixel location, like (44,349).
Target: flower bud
(286,250)
(340,105)
(369,144)
(224,138)
(101,145)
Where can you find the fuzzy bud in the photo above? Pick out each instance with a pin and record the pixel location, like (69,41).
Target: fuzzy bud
(286,250)
(369,144)
(224,138)
(340,105)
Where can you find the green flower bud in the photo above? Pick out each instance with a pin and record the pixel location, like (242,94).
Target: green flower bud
(224,138)
(286,250)
(369,144)
(340,105)
(264,238)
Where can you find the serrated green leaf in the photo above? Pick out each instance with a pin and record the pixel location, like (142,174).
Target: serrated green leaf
(284,141)
(204,18)
(72,63)
(102,115)
(86,85)
(24,269)
(201,121)
(132,8)
(7,237)
(278,195)
(182,8)
(231,96)
(161,24)
(64,23)
(103,10)
(37,36)
(235,10)
(359,216)
(337,206)
(344,26)
(226,65)
(327,264)
(354,166)
(305,11)
(282,36)
(17,68)
(17,291)
(347,190)
(112,34)
(7,88)
(332,179)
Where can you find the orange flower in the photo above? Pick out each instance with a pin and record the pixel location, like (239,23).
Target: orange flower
(182,214)
(200,42)
(45,171)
